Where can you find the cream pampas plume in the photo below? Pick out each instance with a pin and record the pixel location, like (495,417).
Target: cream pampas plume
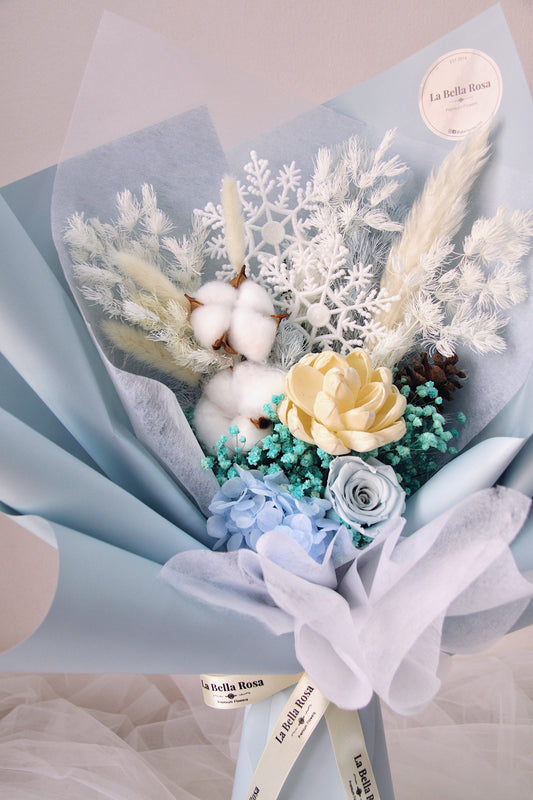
(233,222)
(146,351)
(436,216)
(148,277)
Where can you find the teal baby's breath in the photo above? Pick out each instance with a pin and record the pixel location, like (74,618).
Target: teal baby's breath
(421,452)
(417,456)
(305,465)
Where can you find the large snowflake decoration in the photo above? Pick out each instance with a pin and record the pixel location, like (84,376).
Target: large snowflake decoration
(318,246)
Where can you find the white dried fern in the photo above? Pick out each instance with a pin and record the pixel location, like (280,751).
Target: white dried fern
(445,299)
(462,305)
(138,274)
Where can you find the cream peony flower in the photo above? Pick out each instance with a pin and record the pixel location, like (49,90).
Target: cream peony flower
(341,404)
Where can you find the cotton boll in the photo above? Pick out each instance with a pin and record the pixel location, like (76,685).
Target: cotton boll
(210,322)
(244,314)
(236,397)
(210,422)
(253,296)
(217,293)
(221,391)
(252,334)
(254,385)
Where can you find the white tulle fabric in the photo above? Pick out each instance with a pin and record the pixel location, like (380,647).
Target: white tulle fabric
(118,737)
(475,740)
(127,737)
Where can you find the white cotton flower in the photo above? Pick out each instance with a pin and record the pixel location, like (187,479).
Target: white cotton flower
(239,318)
(252,334)
(210,423)
(209,324)
(216,293)
(235,397)
(221,391)
(254,297)
(254,385)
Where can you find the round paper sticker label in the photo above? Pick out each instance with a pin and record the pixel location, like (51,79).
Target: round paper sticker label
(460,92)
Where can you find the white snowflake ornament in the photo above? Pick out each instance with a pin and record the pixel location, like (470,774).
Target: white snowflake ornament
(317,245)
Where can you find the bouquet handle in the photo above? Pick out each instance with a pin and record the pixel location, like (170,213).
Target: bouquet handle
(315,773)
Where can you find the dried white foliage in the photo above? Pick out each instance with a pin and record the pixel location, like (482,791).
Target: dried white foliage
(329,251)
(290,344)
(466,294)
(319,247)
(504,238)
(138,274)
(435,217)
(146,351)
(443,299)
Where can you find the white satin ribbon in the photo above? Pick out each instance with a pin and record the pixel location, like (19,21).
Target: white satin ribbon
(292,730)
(227,691)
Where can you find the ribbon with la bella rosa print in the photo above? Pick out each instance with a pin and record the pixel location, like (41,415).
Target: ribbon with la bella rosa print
(301,714)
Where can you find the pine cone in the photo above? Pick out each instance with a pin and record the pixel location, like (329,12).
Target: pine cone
(442,372)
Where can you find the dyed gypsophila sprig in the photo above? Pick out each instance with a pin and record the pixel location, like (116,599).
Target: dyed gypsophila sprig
(305,465)
(427,441)
(415,458)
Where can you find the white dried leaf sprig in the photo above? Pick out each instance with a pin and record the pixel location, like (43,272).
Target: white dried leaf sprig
(138,274)
(445,300)
(319,247)
(486,282)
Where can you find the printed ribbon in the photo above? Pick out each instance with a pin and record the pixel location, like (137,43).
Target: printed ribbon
(302,712)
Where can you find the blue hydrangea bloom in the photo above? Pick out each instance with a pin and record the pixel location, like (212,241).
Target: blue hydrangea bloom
(251,504)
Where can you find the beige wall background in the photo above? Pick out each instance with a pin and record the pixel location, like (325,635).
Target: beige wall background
(315,48)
